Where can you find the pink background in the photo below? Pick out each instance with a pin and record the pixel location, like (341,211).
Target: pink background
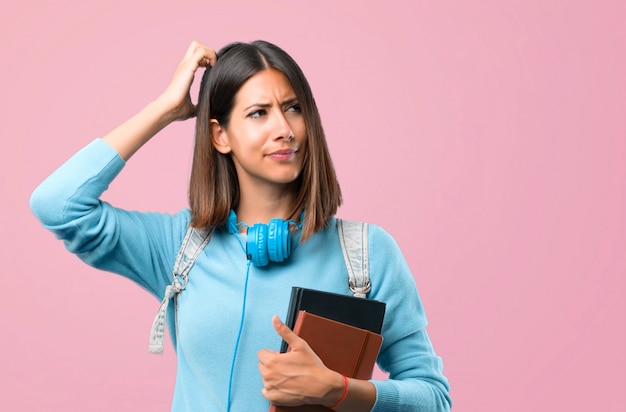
(489,137)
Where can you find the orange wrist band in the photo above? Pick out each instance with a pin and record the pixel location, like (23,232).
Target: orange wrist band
(345,392)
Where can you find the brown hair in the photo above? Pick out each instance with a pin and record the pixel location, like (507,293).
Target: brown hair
(214,188)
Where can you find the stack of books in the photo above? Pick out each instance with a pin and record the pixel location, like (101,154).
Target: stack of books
(344,331)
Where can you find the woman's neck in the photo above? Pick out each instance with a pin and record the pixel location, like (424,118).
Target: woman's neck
(261,209)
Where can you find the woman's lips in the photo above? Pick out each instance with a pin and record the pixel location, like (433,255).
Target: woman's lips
(283,154)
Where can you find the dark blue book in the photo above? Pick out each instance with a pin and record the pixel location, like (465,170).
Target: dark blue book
(362,313)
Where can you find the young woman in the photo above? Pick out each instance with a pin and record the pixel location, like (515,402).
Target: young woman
(260,154)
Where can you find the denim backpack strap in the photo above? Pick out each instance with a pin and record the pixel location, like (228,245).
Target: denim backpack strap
(353,239)
(194,241)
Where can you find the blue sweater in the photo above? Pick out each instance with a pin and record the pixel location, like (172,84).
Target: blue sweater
(218,301)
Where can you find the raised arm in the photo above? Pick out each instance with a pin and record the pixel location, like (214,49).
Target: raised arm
(174,104)
(68,201)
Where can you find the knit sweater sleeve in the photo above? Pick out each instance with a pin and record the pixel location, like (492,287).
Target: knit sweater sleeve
(140,246)
(416,381)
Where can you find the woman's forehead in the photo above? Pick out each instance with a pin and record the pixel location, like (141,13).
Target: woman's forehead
(265,86)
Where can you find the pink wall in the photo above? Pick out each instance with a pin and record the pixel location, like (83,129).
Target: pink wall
(489,137)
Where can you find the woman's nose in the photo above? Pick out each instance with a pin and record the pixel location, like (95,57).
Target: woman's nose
(282,129)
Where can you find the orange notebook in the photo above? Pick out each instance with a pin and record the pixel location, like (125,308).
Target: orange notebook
(343,348)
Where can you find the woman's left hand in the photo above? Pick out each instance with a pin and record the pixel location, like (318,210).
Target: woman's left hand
(298,376)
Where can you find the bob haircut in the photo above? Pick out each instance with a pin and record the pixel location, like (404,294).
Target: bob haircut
(214,187)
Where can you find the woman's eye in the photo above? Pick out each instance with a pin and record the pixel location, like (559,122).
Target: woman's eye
(294,108)
(256,114)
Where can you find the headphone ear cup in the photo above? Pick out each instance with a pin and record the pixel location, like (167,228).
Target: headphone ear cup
(257,244)
(279,240)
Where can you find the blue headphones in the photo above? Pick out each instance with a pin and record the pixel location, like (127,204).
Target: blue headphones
(272,242)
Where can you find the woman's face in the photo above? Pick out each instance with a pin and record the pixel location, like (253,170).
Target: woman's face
(266,135)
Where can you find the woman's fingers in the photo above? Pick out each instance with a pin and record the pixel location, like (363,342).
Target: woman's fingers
(177,93)
(284,332)
(200,54)
(295,377)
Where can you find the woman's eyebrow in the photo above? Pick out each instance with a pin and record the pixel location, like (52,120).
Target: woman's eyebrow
(290,100)
(285,102)
(262,105)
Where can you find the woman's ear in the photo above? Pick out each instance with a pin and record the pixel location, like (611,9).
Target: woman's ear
(219,137)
